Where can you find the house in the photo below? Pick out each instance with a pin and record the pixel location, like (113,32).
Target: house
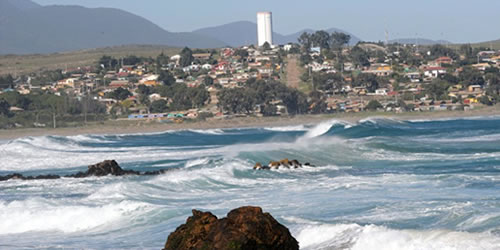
(70,82)
(287,47)
(380,70)
(474,88)
(486,56)
(206,66)
(151,83)
(149,78)
(434,72)
(360,90)
(481,66)
(381,91)
(444,60)
(175,58)
(118,84)
(413,76)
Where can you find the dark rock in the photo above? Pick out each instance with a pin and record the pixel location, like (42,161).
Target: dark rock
(104,168)
(243,228)
(296,164)
(47,177)
(108,168)
(277,164)
(11,176)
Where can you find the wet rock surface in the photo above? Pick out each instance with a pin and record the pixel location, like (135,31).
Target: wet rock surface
(105,168)
(285,163)
(243,228)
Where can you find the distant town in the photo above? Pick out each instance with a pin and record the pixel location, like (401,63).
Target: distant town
(320,73)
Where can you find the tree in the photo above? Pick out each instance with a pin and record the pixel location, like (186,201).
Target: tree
(16,100)
(321,39)
(438,89)
(485,100)
(373,105)
(439,50)
(236,100)
(493,84)
(6,82)
(369,81)
(159,106)
(199,96)
(186,57)
(162,59)
(305,59)
(131,60)
(166,77)
(120,94)
(208,81)
(338,40)
(359,57)
(107,62)
(327,82)
(4,107)
(305,42)
(266,46)
(242,53)
(467,51)
(470,76)
(269,110)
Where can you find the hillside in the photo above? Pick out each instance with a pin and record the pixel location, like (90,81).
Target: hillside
(419,41)
(22,64)
(28,28)
(245,33)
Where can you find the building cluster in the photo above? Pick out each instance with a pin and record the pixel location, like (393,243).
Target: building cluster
(214,70)
(403,84)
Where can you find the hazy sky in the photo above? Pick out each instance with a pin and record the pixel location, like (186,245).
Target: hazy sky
(453,20)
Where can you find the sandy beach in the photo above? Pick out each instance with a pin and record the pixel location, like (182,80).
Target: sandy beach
(135,127)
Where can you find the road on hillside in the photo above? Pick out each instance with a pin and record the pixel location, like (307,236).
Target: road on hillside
(293,73)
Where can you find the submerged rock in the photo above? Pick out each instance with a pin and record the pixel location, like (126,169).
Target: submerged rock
(105,168)
(243,228)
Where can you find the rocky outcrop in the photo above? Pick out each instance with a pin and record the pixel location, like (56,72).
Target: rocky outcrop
(105,168)
(243,228)
(285,163)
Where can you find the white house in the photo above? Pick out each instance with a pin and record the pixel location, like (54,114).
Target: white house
(206,66)
(382,91)
(175,58)
(434,72)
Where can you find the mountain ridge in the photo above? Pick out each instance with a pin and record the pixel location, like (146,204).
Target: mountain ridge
(58,28)
(246,33)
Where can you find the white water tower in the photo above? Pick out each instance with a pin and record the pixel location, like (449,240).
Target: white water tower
(264,28)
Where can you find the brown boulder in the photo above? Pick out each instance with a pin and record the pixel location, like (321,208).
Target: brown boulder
(243,228)
(285,161)
(274,164)
(257,166)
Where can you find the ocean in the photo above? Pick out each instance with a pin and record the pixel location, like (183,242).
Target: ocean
(376,184)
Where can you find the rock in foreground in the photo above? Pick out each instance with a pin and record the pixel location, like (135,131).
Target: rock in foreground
(243,228)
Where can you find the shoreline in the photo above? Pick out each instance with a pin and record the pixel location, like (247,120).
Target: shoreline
(140,127)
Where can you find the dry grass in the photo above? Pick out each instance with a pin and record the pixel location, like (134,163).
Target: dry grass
(23,64)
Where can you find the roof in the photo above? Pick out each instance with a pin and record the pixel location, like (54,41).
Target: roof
(434,68)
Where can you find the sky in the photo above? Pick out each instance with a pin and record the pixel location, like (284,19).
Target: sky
(453,20)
